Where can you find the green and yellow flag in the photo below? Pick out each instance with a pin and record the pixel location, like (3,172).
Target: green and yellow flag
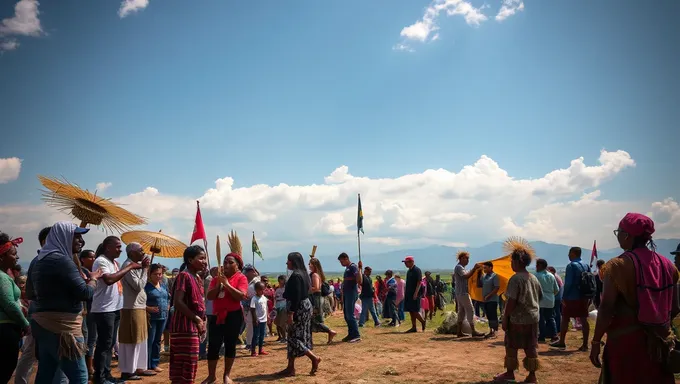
(256,249)
(360,218)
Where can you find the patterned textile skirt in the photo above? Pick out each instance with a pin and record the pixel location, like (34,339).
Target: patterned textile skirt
(626,361)
(300,333)
(183,357)
(522,336)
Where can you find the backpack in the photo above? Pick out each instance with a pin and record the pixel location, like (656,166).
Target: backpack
(325,289)
(587,285)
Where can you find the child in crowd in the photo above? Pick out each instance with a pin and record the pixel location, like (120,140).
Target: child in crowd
(281,313)
(258,310)
(21,283)
(270,294)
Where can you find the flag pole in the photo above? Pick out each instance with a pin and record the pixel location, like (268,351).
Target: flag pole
(359,235)
(207,254)
(359,244)
(253,250)
(205,242)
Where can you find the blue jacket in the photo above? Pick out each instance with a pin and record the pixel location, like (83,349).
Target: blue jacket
(572,279)
(55,285)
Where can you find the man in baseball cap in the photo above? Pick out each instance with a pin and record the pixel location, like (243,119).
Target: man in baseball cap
(414,276)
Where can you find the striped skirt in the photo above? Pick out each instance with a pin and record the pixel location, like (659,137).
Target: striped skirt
(183,357)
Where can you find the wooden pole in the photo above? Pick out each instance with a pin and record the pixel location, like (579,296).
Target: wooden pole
(207,255)
(359,244)
(358,234)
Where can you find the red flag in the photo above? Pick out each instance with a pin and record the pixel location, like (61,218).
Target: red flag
(593,255)
(199,230)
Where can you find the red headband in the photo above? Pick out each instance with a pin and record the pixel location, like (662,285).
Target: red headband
(237,257)
(12,243)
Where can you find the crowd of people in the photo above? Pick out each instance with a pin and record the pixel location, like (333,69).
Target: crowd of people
(76,309)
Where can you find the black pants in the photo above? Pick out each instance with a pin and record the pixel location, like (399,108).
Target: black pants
(226,333)
(10,335)
(107,327)
(491,310)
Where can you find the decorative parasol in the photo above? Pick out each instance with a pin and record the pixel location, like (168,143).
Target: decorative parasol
(155,243)
(87,206)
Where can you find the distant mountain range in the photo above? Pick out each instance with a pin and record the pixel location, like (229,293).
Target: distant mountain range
(438,257)
(443,257)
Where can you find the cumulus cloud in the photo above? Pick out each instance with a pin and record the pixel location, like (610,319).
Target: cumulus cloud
(425,29)
(9,45)
(667,215)
(128,7)
(25,22)
(103,186)
(477,204)
(9,169)
(509,8)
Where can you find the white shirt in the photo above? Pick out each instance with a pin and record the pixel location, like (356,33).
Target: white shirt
(107,298)
(251,287)
(260,305)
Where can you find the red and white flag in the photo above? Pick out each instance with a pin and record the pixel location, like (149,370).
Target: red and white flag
(593,255)
(199,230)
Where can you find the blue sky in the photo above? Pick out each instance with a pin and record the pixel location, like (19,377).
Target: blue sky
(175,96)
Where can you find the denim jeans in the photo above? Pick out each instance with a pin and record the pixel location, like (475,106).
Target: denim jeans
(107,327)
(348,301)
(400,308)
(366,307)
(48,355)
(259,331)
(156,328)
(558,314)
(546,323)
(91,334)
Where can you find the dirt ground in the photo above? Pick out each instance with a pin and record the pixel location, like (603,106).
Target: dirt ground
(387,355)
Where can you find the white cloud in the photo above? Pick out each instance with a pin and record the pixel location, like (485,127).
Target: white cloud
(9,45)
(9,169)
(667,214)
(25,22)
(103,186)
(426,28)
(423,28)
(128,7)
(509,8)
(477,204)
(403,47)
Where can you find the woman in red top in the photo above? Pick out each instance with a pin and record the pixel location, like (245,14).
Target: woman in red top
(188,323)
(226,290)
